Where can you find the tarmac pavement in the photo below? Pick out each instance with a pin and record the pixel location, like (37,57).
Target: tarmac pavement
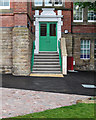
(70,84)
(24,95)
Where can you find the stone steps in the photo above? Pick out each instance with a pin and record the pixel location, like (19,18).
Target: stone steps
(47,72)
(46,66)
(46,62)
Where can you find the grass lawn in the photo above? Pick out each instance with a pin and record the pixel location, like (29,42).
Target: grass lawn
(80,110)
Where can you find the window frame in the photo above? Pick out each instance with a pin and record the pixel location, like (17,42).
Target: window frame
(73,15)
(5,7)
(85,49)
(90,20)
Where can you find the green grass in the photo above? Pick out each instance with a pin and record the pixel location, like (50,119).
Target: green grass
(80,110)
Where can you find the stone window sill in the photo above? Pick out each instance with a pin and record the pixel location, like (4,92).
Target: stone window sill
(5,11)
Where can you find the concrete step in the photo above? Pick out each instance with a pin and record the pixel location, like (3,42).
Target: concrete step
(46,66)
(48,53)
(46,60)
(46,63)
(46,57)
(46,69)
(42,72)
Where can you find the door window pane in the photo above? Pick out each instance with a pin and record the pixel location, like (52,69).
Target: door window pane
(52,29)
(43,29)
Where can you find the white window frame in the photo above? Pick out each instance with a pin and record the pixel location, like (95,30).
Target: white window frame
(73,15)
(85,49)
(5,7)
(94,48)
(91,20)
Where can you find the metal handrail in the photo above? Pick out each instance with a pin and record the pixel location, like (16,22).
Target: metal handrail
(32,59)
(60,57)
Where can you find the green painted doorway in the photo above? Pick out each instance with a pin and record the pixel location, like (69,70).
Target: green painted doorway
(47,36)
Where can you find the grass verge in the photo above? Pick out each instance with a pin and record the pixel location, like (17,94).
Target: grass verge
(80,110)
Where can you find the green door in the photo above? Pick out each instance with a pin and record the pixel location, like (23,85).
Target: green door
(48,36)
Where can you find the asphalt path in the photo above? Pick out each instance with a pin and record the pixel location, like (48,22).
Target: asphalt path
(70,84)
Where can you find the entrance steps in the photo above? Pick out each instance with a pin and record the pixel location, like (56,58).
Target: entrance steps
(46,63)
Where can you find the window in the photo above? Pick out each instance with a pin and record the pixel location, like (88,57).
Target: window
(38,2)
(4,4)
(91,16)
(85,49)
(58,3)
(48,2)
(77,13)
(95,49)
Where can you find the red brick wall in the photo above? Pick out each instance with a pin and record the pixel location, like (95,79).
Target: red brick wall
(20,7)
(68,4)
(6,21)
(66,21)
(18,17)
(20,20)
(84,29)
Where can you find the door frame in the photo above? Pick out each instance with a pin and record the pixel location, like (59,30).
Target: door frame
(47,29)
(48,15)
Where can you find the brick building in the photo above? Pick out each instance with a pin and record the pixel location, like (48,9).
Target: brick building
(46,37)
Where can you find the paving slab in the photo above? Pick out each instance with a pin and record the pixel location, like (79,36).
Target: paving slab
(17,102)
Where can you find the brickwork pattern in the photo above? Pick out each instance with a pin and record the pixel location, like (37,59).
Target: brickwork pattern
(84,28)
(6,21)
